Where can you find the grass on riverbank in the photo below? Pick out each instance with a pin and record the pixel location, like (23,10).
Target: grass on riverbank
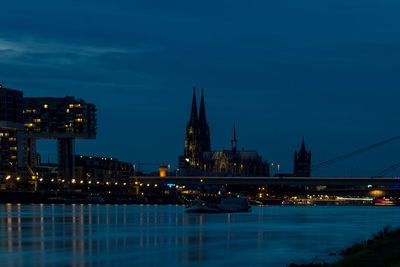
(383,249)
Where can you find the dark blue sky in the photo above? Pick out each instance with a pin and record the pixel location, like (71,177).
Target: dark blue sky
(283,69)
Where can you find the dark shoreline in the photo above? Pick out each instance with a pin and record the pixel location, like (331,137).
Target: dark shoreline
(381,250)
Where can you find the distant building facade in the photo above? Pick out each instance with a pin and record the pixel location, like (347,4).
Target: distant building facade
(302,162)
(198,159)
(102,169)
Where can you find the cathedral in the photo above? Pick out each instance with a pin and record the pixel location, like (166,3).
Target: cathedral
(198,159)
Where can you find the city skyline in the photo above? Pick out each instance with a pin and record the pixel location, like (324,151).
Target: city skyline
(278,75)
(212,133)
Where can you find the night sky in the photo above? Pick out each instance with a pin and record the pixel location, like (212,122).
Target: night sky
(282,69)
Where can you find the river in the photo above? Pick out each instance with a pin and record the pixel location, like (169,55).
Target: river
(164,235)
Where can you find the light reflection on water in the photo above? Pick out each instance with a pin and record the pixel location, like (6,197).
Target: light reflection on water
(144,235)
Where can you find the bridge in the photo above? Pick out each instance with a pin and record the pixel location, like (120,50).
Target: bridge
(303,181)
(377,180)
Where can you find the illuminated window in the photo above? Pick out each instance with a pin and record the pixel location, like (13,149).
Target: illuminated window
(45,106)
(78,120)
(13,148)
(36,120)
(71,105)
(67,110)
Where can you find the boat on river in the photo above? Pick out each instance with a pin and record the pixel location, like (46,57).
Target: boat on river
(219,204)
(383,202)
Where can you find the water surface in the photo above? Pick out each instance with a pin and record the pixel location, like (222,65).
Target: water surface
(147,235)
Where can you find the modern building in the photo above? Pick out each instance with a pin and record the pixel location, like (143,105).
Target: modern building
(11,128)
(64,119)
(25,120)
(302,162)
(11,103)
(198,159)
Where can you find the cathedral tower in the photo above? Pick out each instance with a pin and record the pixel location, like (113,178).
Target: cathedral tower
(192,152)
(204,130)
(197,139)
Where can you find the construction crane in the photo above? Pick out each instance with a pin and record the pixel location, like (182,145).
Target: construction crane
(35,176)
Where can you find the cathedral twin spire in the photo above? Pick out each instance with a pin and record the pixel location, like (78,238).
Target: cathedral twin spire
(201,120)
(202,114)
(197,139)
(193,113)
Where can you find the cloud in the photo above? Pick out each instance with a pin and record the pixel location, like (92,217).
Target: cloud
(51,50)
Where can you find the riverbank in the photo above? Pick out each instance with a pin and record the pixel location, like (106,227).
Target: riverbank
(383,249)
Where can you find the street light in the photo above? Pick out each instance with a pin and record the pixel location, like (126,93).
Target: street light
(277,167)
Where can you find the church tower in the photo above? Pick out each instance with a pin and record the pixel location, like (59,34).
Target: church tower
(234,141)
(197,138)
(192,153)
(302,162)
(204,130)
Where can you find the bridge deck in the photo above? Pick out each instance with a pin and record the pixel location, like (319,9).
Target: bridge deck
(338,181)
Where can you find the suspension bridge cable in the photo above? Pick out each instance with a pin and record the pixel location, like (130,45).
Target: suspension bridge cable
(392,167)
(349,155)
